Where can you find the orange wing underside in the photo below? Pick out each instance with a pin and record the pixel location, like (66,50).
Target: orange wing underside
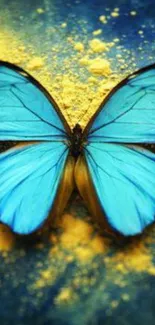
(76,174)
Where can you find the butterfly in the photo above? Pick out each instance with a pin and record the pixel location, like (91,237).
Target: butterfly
(111,161)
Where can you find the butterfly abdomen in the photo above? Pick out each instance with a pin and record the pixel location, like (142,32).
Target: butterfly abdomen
(76,141)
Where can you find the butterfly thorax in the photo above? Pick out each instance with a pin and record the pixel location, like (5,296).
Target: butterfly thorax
(76,141)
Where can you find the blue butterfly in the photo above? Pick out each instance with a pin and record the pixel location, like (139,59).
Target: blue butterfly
(113,169)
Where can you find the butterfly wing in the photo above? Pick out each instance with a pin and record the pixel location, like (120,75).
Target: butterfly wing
(27,111)
(29,181)
(124,181)
(127,115)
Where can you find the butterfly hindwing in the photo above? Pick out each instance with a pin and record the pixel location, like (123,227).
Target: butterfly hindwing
(124,181)
(127,115)
(29,181)
(27,112)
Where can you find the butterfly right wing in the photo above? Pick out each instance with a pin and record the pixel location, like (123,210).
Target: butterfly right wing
(30,179)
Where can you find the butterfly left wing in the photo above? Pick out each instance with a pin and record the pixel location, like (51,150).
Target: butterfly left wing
(123,178)
(27,111)
(30,178)
(127,115)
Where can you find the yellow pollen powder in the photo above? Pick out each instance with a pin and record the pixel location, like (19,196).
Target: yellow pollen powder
(103,19)
(115,14)
(35,63)
(133,13)
(99,67)
(40,11)
(98,46)
(79,46)
(97,32)
(63,25)
(65,296)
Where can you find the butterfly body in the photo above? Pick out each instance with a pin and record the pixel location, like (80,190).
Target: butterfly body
(112,161)
(76,141)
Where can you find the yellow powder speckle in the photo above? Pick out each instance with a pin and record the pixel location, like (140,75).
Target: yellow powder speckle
(7,238)
(114,14)
(66,295)
(35,63)
(84,61)
(116,40)
(140,32)
(98,245)
(151,269)
(100,67)
(75,232)
(136,258)
(79,46)
(133,13)
(125,297)
(92,80)
(40,10)
(63,25)
(97,32)
(103,19)
(98,46)
(84,254)
(114,303)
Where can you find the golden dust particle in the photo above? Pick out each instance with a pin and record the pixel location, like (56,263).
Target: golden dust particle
(21,48)
(98,245)
(79,46)
(114,14)
(92,80)
(63,25)
(7,238)
(76,231)
(116,9)
(97,32)
(40,10)
(116,40)
(99,67)
(39,284)
(47,274)
(114,303)
(84,61)
(103,19)
(118,56)
(151,270)
(84,254)
(125,297)
(35,63)
(140,32)
(97,46)
(136,258)
(121,267)
(133,13)
(70,39)
(66,295)
(69,258)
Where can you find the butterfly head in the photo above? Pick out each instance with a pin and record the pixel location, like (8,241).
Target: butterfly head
(76,141)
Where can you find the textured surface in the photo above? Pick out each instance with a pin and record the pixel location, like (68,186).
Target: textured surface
(74,275)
